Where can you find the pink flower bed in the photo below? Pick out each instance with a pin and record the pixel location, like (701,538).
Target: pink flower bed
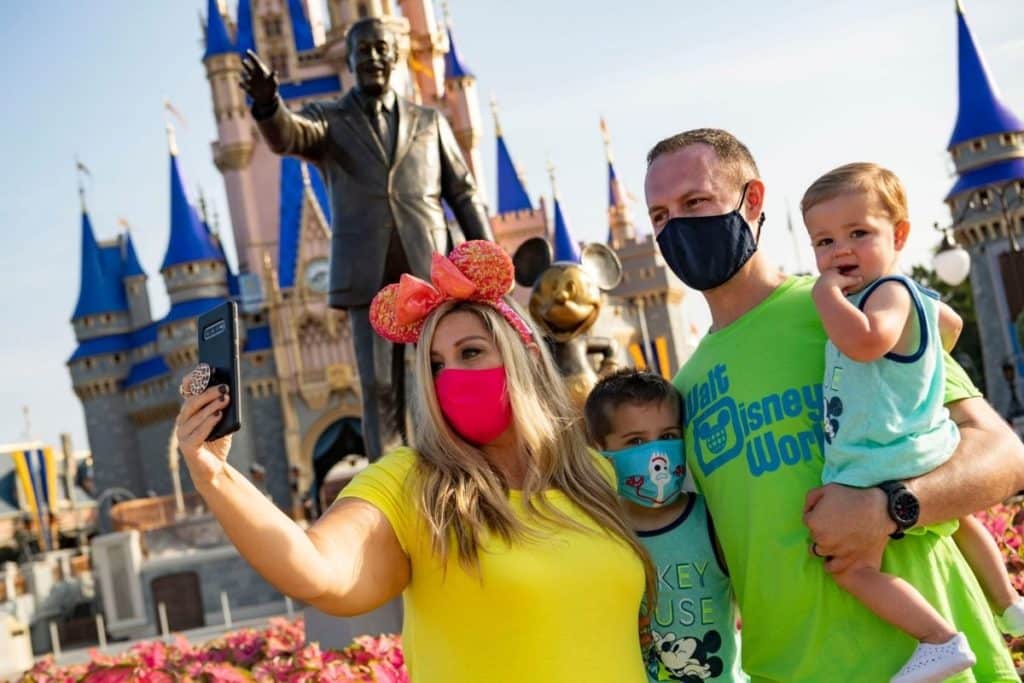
(1006,524)
(278,653)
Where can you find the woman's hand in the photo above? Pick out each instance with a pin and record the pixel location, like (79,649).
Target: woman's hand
(199,415)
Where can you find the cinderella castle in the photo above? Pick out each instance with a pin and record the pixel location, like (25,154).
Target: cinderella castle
(301,407)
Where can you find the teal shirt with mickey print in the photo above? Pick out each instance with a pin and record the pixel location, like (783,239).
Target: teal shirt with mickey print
(694,632)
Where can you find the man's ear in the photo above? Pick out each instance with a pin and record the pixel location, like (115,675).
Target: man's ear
(753,201)
(900,233)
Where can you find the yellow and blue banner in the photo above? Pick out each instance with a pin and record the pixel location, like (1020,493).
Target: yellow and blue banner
(37,474)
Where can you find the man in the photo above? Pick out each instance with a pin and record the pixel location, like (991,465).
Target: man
(387,164)
(754,444)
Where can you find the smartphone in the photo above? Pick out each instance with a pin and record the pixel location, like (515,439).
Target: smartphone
(218,348)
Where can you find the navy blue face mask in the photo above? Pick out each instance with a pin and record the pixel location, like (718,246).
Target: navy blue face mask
(706,251)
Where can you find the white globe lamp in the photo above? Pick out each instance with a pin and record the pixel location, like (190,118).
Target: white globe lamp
(952,262)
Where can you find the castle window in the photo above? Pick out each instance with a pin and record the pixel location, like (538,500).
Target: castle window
(956,153)
(107,317)
(88,363)
(362,11)
(279,63)
(272,26)
(978,145)
(117,358)
(1007,140)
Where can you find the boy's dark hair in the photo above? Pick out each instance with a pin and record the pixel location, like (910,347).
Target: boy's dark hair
(625,386)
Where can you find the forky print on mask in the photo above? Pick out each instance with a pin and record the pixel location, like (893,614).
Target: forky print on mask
(661,475)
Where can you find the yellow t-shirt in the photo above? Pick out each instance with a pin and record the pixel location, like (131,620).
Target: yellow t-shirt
(562,607)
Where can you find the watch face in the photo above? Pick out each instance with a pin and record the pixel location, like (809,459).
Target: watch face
(905,508)
(318,275)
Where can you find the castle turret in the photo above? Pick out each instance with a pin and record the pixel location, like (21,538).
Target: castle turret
(233,149)
(516,220)
(463,107)
(987,205)
(193,267)
(620,222)
(565,247)
(426,50)
(134,279)
(99,364)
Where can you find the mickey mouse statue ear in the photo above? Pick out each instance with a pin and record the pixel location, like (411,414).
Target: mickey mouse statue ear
(531,259)
(603,265)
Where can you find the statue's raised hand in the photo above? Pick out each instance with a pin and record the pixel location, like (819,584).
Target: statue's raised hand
(257,80)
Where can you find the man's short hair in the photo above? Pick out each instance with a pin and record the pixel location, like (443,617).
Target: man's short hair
(364,24)
(631,386)
(734,156)
(880,184)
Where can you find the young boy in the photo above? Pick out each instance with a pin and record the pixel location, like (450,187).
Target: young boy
(883,392)
(635,419)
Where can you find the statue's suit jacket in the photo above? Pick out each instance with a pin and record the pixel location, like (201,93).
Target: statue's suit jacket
(370,197)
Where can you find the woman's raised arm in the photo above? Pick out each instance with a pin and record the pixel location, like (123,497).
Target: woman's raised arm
(348,562)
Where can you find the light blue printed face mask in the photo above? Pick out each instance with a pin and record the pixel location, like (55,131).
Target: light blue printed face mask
(650,474)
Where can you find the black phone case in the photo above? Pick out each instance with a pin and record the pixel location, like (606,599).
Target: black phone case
(218,348)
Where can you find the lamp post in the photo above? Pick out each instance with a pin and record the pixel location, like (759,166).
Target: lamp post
(952,262)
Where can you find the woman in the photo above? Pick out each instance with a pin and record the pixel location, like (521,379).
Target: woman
(499,527)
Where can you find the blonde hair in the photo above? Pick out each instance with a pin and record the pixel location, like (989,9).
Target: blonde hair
(461,494)
(881,184)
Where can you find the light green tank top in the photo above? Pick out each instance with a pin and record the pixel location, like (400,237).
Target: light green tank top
(884,420)
(694,627)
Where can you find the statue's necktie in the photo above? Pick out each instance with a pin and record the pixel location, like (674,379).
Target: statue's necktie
(379,119)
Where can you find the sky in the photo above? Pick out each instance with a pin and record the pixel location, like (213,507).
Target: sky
(806,85)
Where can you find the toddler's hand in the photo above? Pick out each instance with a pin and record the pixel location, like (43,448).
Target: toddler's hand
(833,279)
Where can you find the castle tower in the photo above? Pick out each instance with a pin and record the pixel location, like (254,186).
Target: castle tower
(233,149)
(102,325)
(620,221)
(463,109)
(134,279)
(987,205)
(193,267)
(426,50)
(566,248)
(516,220)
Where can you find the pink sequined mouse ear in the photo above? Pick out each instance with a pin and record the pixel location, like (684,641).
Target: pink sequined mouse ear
(391,320)
(487,266)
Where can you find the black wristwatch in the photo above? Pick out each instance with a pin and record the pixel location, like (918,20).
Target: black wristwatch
(904,507)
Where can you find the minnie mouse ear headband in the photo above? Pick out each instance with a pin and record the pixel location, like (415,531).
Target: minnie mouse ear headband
(477,271)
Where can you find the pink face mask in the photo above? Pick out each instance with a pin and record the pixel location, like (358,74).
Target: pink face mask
(475,402)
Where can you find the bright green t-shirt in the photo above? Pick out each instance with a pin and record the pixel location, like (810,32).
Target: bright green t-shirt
(561,606)
(754,445)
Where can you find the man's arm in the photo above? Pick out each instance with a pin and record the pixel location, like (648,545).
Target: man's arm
(986,468)
(459,189)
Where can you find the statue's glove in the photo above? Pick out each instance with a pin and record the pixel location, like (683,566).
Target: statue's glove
(259,82)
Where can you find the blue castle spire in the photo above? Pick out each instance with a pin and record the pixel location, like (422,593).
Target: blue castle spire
(981,110)
(99,291)
(189,240)
(130,265)
(244,37)
(453,66)
(512,194)
(218,41)
(301,28)
(566,248)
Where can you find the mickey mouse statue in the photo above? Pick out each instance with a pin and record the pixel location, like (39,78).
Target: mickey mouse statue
(565,303)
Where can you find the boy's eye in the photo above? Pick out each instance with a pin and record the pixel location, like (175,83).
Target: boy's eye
(823,242)
(858,233)
(669,435)
(637,441)
(694,202)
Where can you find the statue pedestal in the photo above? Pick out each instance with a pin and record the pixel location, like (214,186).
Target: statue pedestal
(338,632)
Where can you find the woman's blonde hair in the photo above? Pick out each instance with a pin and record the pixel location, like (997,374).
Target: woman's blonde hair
(461,495)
